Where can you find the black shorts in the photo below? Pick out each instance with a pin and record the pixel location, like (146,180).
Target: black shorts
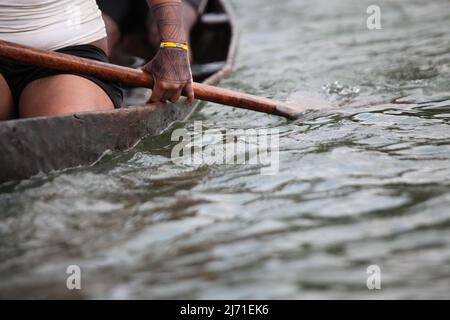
(19,75)
(128,13)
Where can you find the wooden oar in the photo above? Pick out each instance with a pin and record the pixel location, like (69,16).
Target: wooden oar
(137,78)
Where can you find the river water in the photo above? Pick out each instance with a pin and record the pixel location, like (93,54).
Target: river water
(358,185)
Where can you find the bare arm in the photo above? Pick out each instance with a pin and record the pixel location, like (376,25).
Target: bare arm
(170,67)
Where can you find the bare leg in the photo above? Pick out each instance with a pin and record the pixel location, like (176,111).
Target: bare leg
(6,100)
(62,94)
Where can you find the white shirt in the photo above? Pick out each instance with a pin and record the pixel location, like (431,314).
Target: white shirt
(51,24)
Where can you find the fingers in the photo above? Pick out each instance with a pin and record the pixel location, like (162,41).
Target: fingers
(167,96)
(157,93)
(189,92)
(176,96)
(172,95)
(164,91)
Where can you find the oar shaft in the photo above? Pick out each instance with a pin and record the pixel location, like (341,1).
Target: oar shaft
(134,77)
(73,64)
(232,98)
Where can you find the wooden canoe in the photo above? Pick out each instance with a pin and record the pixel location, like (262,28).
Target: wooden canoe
(45,144)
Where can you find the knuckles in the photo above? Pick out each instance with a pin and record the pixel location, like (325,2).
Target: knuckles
(167,86)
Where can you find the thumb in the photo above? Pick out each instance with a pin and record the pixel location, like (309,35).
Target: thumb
(148,69)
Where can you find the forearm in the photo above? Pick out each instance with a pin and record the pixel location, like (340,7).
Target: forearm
(170,66)
(169,18)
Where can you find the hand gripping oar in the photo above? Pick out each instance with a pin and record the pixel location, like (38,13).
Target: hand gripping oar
(138,78)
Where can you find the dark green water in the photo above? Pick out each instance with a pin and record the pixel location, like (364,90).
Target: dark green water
(357,186)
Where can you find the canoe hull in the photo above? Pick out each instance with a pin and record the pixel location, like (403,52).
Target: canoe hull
(82,138)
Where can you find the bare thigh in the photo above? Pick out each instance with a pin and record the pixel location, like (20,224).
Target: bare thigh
(62,94)
(6,100)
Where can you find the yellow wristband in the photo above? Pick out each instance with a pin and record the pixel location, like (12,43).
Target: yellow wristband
(168,44)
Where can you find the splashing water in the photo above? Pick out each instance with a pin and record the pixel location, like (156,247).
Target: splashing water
(341,90)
